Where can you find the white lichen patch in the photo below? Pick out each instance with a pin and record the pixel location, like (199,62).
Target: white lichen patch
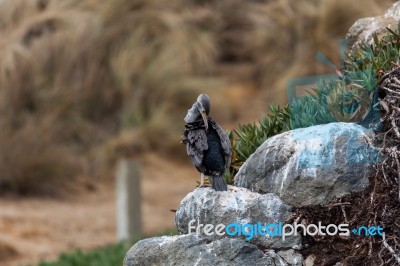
(162,240)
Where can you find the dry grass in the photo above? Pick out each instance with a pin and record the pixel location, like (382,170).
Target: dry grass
(32,164)
(290,33)
(78,77)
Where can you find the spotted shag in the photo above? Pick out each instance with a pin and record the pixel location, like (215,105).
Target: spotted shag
(207,143)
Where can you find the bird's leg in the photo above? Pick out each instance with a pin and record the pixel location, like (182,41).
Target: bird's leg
(202,181)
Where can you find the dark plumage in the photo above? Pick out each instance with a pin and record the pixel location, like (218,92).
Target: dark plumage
(207,143)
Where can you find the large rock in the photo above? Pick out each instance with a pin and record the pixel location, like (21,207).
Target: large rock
(194,250)
(363,29)
(237,205)
(310,165)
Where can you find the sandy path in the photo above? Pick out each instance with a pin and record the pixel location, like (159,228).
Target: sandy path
(34,229)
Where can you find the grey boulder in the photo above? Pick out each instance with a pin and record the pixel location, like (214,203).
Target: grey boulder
(237,205)
(363,29)
(194,250)
(310,166)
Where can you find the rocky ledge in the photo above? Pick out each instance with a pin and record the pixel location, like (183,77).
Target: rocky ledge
(301,167)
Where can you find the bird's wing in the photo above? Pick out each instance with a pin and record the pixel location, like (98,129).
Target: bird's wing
(225,142)
(196,144)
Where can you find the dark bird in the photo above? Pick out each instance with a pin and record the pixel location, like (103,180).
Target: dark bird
(207,143)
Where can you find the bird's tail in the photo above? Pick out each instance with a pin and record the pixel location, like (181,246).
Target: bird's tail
(218,183)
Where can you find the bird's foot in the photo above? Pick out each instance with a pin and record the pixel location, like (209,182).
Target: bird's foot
(204,186)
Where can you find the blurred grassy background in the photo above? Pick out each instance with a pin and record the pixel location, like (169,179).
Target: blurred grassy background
(83,82)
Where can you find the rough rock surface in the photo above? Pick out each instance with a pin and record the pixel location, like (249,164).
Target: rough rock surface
(291,257)
(310,165)
(310,260)
(363,29)
(207,206)
(194,250)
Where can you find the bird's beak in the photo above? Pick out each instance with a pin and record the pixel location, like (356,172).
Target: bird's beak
(203,114)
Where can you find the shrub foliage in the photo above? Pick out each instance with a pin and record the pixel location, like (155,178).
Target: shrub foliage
(249,137)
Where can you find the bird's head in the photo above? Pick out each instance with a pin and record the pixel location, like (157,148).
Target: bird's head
(200,110)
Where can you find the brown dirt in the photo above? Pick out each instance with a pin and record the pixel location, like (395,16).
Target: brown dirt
(34,229)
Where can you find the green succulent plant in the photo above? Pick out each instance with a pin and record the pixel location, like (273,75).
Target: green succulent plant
(247,138)
(379,56)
